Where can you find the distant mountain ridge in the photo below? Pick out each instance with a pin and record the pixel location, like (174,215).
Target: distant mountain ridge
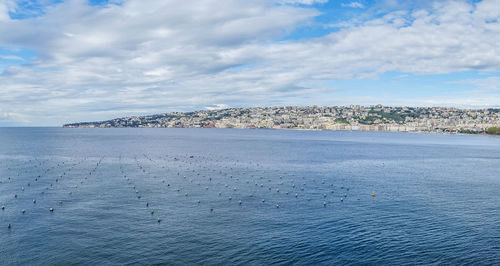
(353,117)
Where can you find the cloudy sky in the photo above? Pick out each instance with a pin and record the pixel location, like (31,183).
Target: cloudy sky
(78,60)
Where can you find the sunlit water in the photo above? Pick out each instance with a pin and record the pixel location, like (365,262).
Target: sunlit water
(256,197)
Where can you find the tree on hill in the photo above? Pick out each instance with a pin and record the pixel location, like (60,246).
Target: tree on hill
(493,130)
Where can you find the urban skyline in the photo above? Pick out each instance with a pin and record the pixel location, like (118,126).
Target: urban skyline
(353,117)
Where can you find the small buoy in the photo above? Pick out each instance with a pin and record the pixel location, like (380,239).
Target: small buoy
(373,194)
(51,209)
(324,203)
(9,226)
(23,211)
(34,201)
(239,202)
(3,208)
(277,205)
(159,220)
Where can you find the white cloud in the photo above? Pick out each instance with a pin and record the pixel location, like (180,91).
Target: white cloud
(11,57)
(217,107)
(304,2)
(353,5)
(10,116)
(486,84)
(151,56)
(5,7)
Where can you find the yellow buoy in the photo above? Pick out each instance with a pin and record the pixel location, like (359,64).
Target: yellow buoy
(373,194)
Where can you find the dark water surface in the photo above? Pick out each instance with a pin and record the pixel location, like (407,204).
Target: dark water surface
(253,197)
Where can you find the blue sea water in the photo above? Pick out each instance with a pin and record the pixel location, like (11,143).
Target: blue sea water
(251,197)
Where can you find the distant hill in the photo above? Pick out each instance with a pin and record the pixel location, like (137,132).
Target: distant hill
(354,117)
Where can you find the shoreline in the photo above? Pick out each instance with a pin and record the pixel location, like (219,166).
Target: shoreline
(302,129)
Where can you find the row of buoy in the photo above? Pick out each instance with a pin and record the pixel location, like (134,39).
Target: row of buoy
(214,173)
(134,187)
(210,179)
(41,176)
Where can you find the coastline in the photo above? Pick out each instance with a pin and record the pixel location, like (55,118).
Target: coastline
(299,129)
(441,120)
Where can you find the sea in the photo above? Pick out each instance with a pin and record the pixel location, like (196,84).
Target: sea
(147,196)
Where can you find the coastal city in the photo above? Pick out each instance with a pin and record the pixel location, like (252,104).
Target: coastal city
(353,117)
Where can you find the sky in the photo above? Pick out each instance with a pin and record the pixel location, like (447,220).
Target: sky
(64,61)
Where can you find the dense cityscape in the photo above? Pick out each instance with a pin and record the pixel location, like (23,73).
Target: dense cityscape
(354,117)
